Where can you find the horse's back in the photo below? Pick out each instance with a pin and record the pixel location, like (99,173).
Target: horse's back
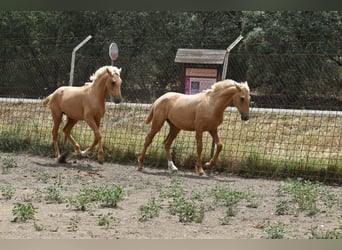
(179,109)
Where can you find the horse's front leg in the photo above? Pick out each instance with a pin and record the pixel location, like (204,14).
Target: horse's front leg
(219,147)
(94,125)
(199,142)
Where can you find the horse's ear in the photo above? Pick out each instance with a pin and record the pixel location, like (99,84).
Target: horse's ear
(120,70)
(109,72)
(238,87)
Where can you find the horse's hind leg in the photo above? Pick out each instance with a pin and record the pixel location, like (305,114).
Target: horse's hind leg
(167,143)
(57,119)
(199,135)
(156,126)
(219,147)
(67,132)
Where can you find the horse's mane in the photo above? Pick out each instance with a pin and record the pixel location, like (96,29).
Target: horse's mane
(102,70)
(226,83)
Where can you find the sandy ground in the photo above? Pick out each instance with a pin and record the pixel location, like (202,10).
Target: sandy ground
(33,175)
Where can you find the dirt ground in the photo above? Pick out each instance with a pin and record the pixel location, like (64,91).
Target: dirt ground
(33,175)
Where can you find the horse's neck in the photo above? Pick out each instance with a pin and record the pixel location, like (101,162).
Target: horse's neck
(99,88)
(223,98)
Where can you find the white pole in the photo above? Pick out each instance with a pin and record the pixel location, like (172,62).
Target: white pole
(73,55)
(225,64)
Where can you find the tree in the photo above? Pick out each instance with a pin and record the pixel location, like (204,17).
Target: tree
(299,51)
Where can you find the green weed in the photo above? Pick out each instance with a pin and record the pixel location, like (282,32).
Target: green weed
(107,196)
(7,191)
(304,196)
(187,210)
(23,211)
(73,223)
(54,193)
(107,220)
(42,175)
(8,162)
(329,234)
(274,230)
(149,211)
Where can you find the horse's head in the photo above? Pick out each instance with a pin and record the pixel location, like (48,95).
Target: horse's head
(241,100)
(113,83)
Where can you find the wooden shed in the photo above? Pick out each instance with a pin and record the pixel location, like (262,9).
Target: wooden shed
(201,68)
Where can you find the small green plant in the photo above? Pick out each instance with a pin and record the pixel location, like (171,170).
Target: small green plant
(149,211)
(231,212)
(42,175)
(283,207)
(189,212)
(254,201)
(107,220)
(38,227)
(226,197)
(304,194)
(274,230)
(53,193)
(81,202)
(8,162)
(329,234)
(23,211)
(7,191)
(109,196)
(73,223)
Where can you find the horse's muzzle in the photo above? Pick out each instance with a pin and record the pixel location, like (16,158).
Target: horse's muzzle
(117,99)
(244,117)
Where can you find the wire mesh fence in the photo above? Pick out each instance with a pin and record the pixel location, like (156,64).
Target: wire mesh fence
(296,121)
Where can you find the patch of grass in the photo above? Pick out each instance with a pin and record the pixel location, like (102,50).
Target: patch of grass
(149,211)
(106,196)
(42,175)
(226,197)
(8,162)
(275,230)
(109,196)
(23,211)
(316,233)
(283,207)
(54,193)
(304,196)
(187,210)
(107,220)
(73,223)
(7,191)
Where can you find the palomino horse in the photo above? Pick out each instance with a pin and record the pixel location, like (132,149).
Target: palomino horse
(84,103)
(200,112)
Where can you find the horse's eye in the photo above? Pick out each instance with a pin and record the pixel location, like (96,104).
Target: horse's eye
(242,99)
(113,83)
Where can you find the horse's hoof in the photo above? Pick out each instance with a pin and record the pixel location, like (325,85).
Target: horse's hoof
(140,169)
(173,171)
(202,174)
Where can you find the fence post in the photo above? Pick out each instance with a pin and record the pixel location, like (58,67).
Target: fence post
(224,73)
(73,55)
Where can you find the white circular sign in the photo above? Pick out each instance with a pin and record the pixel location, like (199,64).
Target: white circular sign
(113,51)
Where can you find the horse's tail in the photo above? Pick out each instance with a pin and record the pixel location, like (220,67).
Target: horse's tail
(47,100)
(150,116)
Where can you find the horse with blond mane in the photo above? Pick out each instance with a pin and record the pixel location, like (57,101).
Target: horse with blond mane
(200,112)
(86,103)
